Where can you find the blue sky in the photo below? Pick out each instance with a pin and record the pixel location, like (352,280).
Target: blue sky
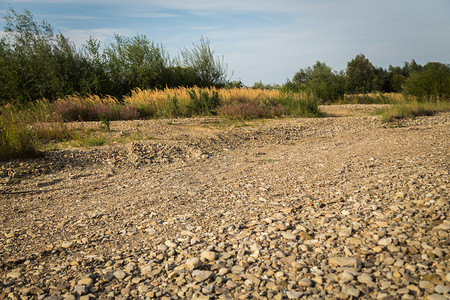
(260,39)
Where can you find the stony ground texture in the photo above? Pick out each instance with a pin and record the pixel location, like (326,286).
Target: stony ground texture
(338,207)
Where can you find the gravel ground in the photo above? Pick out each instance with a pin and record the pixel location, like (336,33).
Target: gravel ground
(338,207)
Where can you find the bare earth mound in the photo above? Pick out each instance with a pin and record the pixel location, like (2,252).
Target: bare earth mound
(338,207)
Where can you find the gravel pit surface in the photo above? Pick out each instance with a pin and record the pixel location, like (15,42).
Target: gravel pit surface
(338,207)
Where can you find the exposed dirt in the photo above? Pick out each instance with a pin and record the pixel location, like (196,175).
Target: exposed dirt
(213,180)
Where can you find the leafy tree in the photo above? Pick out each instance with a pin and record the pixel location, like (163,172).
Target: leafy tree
(323,82)
(36,63)
(209,70)
(432,82)
(360,75)
(135,62)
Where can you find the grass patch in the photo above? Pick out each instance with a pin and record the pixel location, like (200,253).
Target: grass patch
(17,139)
(89,141)
(373,98)
(403,110)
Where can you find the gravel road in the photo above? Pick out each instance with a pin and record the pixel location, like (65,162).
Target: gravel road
(338,207)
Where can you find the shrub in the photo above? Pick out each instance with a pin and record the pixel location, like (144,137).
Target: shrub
(16,137)
(431,83)
(413,109)
(203,103)
(129,112)
(300,105)
(245,109)
(54,131)
(91,108)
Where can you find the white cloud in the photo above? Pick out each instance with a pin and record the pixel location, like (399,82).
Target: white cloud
(104,35)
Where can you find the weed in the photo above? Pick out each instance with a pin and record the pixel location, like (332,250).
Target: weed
(203,103)
(402,110)
(17,138)
(105,122)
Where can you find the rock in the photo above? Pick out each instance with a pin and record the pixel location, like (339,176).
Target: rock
(34,290)
(209,255)
(255,280)
(346,276)
(119,274)
(162,247)
(442,289)
(146,269)
(289,236)
(202,275)
(199,296)
(15,274)
(294,295)
(365,278)
(304,236)
(237,270)
(385,242)
(193,263)
(170,244)
(350,291)
(436,297)
(343,261)
(305,282)
(86,281)
(67,245)
(400,195)
(80,289)
(426,285)
(143,288)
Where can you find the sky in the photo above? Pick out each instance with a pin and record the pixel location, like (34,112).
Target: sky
(262,40)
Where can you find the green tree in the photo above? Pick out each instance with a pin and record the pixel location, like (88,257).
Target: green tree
(322,81)
(360,75)
(135,62)
(36,63)
(209,70)
(432,82)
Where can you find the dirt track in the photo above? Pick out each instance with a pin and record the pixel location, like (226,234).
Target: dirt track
(336,207)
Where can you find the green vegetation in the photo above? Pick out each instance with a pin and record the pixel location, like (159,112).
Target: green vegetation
(17,139)
(402,110)
(321,82)
(46,81)
(36,63)
(430,83)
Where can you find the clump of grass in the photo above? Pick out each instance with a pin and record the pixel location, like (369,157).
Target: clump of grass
(76,108)
(246,109)
(373,98)
(301,105)
(53,132)
(403,110)
(204,103)
(17,139)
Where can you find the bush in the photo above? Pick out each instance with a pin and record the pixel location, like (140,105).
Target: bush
(17,139)
(404,110)
(300,105)
(203,103)
(431,83)
(246,109)
(320,81)
(92,108)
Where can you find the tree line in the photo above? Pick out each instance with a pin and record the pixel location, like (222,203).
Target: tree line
(36,63)
(431,81)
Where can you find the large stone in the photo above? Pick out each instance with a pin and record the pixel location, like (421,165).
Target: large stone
(209,255)
(343,261)
(193,263)
(294,295)
(202,275)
